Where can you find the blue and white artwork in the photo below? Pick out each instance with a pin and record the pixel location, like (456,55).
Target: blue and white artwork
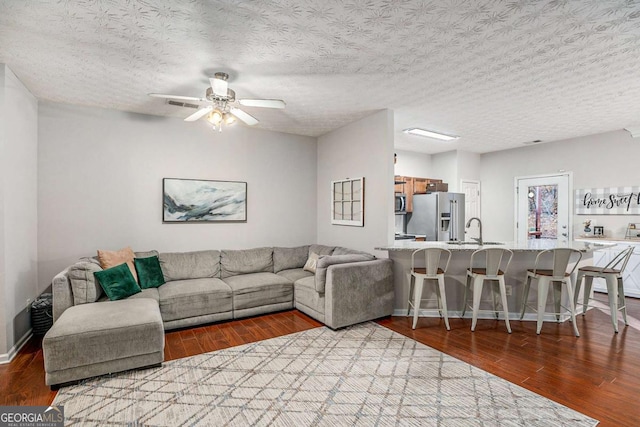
(191,200)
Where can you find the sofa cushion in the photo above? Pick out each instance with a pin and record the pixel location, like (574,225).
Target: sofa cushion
(146,254)
(321,249)
(87,334)
(180,299)
(91,259)
(258,289)
(151,293)
(246,261)
(190,265)
(149,272)
(84,285)
(110,259)
(294,274)
(117,282)
(306,294)
(288,258)
(326,261)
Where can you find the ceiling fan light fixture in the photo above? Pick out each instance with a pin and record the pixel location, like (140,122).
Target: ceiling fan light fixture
(221,110)
(215,117)
(430,134)
(228,119)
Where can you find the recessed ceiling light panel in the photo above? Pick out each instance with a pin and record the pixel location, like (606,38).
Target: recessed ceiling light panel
(430,134)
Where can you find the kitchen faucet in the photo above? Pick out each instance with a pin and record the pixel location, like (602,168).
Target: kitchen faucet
(477,239)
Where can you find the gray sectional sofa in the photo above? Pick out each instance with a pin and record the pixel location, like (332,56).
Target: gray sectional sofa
(94,336)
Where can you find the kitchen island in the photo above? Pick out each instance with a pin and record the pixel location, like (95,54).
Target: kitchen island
(524,256)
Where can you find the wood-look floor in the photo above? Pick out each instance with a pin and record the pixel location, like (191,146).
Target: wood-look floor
(597,374)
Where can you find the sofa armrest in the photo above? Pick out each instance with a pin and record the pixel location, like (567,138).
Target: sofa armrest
(358,291)
(62,293)
(324,262)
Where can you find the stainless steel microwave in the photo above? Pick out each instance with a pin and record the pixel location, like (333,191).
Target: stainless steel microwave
(401,203)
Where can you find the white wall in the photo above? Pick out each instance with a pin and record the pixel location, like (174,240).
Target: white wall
(605,160)
(19,208)
(452,166)
(412,164)
(468,166)
(363,148)
(100,184)
(444,166)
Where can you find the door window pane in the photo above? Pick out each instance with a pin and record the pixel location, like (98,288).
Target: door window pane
(543,212)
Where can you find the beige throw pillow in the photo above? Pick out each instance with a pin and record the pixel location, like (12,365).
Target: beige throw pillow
(311,263)
(110,259)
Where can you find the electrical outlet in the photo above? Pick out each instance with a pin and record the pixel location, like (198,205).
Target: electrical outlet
(509,290)
(28,304)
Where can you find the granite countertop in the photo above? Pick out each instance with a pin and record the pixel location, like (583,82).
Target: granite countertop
(534,245)
(619,240)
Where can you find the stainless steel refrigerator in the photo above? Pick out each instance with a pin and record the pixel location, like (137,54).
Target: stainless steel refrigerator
(438,216)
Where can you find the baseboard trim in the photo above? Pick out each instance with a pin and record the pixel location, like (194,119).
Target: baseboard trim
(8,357)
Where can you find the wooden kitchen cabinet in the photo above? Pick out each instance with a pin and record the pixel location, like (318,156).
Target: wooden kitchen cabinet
(420,185)
(399,188)
(408,187)
(414,185)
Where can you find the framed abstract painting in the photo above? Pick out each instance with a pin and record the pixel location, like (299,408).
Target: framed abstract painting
(195,200)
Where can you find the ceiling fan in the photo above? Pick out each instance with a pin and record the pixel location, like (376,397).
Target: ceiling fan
(221,100)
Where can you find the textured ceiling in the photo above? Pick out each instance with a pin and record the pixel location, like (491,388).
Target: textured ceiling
(497,73)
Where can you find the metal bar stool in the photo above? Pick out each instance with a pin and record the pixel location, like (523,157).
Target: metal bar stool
(612,273)
(433,259)
(558,274)
(493,268)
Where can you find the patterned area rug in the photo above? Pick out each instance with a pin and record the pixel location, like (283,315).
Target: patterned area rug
(364,375)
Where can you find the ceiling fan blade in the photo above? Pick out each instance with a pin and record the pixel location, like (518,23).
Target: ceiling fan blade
(264,103)
(219,84)
(182,98)
(201,112)
(245,117)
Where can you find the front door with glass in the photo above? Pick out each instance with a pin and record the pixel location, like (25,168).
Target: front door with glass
(543,208)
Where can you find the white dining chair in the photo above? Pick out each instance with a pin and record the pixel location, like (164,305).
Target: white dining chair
(488,264)
(436,262)
(558,259)
(612,274)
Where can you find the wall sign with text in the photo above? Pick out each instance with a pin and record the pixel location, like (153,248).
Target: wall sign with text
(608,201)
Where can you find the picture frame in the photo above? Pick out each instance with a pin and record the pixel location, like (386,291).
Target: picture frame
(347,202)
(199,200)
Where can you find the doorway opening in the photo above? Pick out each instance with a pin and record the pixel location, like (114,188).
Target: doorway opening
(471,190)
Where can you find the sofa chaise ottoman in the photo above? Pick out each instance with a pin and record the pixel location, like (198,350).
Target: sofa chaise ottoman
(97,339)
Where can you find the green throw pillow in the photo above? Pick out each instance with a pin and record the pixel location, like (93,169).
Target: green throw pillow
(149,272)
(117,282)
